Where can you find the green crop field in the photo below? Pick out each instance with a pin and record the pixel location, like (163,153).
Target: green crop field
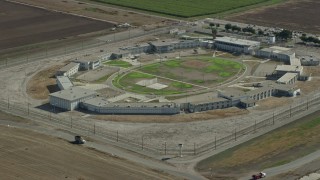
(184,8)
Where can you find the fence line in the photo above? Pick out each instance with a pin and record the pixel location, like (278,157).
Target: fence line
(145,143)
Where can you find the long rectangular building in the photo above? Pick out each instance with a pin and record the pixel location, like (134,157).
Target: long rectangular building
(236,45)
(102,105)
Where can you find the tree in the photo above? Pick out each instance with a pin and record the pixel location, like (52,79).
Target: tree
(260,32)
(235,28)
(284,34)
(249,29)
(228,27)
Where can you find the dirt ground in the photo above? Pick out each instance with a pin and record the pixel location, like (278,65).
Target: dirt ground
(98,11)
(212,114)
(294,14)
(272,102)
(24,25)
(43,83)
(29,155)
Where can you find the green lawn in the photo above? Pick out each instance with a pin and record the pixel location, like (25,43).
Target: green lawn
(180,75)
(217,68)
(118,63)
(127,82)
(184,8)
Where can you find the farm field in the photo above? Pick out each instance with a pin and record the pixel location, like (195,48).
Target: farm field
(184,8)
(296,15)
(181,75)
(279,147)
(22,25)
(29,155)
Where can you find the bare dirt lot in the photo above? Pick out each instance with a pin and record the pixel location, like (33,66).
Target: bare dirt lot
(29,155)
(97,11)
(43,83)
(22,25)
(296,15)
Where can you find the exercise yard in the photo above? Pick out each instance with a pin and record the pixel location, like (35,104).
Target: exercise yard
(180,75)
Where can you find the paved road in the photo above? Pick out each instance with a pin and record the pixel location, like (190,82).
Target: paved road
(289,166)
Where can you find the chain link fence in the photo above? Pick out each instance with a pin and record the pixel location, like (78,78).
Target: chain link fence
(146,144)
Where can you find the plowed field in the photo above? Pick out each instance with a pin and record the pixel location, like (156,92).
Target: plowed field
(23,25)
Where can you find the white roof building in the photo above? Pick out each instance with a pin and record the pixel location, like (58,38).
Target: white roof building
(68,70)
(69,99)
(288,78)
(64,82)
(236,45)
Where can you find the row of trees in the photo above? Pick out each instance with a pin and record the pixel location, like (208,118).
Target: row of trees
(233,28)
(305,39)
(284,34)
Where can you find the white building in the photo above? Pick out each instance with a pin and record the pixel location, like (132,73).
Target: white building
(68,70)
(64,82)
(283,69)
(88,62)
(102,105)
(70,99)
(288,78)
(236,45)
(277,53)
(309,61)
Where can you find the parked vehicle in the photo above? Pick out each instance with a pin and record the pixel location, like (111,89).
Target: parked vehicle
(259,176)
(79,140)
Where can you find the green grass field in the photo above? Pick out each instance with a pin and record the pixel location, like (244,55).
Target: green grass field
(184,8)
(118,63)
(180,75)
(195,70)
(270,150)
(127,83)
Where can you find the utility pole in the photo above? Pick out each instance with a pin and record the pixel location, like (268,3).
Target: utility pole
(117,136)
(165,148)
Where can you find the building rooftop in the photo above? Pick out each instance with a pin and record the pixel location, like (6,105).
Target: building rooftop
(163,43)
(210,100)
(237,41)
(135,46)
(68,67)
(103,102)
(279,50)
(74,93)
(289,68)
(309,58)
(287,77)
(88,58)
(295,62)
(65,82)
